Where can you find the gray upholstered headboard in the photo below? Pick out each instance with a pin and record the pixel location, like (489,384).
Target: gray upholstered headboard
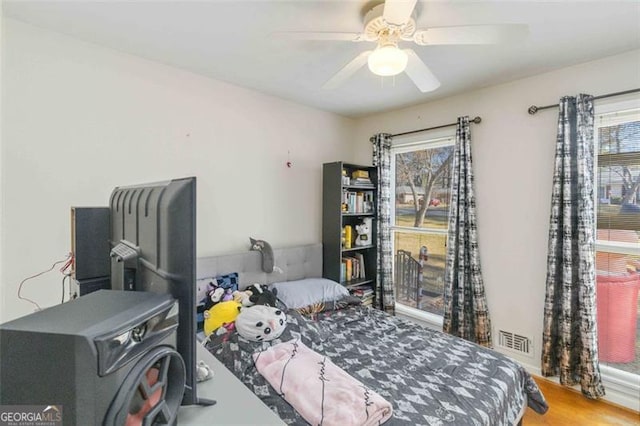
(296,263)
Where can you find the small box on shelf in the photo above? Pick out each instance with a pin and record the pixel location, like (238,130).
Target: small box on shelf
(360,174)
(360,177)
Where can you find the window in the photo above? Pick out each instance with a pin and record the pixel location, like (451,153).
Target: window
(617,133)
(422,175)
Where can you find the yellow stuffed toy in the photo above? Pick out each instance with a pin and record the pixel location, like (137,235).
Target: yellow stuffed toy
(219,314)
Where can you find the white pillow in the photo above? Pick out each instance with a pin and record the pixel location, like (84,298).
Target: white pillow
(305,292)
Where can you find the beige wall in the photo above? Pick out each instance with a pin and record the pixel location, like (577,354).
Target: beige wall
(80,119)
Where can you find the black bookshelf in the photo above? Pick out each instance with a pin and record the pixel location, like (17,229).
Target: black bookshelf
(335,218)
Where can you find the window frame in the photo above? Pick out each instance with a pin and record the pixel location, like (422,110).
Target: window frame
(621,380)
(439,139)
(606,246)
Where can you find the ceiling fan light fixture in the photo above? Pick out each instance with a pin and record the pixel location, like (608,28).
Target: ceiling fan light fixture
(387,60)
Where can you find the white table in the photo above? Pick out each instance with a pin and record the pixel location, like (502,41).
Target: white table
(236,404)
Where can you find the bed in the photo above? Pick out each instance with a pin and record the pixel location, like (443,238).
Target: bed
(428,377)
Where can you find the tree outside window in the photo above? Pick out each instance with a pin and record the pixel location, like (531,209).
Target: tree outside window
(422,191)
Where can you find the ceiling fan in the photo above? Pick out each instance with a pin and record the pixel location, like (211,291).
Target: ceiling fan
(389,23)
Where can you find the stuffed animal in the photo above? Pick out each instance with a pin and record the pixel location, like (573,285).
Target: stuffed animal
(221,313)
(228,295)
(267,254)
(203,372)
(242,297)
(217,295)
(261,295)
(261,323)
(204,287)
(364,234)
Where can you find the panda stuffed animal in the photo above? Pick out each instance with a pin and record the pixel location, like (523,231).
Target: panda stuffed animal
(261,323)
(261,295)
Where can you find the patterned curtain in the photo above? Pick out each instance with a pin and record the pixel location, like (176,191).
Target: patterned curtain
(570,345)
(465,306)
(382,160)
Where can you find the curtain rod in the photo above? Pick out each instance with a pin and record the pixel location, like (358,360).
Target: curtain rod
(475,120)
(533,109)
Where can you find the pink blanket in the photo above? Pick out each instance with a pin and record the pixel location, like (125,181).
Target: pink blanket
(320,391)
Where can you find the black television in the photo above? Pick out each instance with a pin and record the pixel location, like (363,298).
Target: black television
(153,248)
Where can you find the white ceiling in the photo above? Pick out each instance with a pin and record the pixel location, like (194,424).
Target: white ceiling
(229,41)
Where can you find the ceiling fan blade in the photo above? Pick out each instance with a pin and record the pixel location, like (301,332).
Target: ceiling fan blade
(329,36)
(419,73)
(347,71)
(398,12)
(471,34)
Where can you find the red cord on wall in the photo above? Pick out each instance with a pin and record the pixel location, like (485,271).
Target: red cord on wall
(67,261)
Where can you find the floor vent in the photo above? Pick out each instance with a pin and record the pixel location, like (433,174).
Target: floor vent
(515,342)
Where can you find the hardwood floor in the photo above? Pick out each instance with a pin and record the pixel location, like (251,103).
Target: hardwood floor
(569,407)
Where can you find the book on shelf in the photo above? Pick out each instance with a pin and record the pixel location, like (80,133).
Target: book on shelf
(361,269)
(357,201)
(349,267)
(349,270)
(363,182)
(360,177)
(361,292)
(354,268)
(367,302)
(348,236)
(366,295)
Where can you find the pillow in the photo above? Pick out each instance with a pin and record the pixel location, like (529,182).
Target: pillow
(301,293)
(206,285)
